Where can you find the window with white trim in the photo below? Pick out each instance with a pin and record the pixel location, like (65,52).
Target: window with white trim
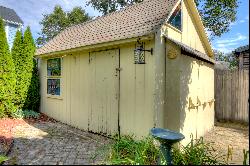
(54,76)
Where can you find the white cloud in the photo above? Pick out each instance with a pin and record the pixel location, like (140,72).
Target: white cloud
(239,37)
(229,44)
(246,19)
(242,21)
(224,49)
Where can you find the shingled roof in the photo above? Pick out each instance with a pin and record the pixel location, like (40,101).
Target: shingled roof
(9,15)
(136,20)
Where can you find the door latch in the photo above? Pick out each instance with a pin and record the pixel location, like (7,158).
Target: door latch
(118,69)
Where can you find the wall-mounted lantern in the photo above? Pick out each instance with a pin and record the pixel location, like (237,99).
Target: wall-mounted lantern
(139,52)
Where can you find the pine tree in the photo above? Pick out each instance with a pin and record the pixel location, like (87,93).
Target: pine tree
(19,60)
(25,66)
(33,98)
(7,76)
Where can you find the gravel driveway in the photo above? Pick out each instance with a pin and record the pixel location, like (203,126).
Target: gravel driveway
(231,136)
(49,143)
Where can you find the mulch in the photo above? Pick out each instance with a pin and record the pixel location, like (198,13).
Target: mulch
(7,126)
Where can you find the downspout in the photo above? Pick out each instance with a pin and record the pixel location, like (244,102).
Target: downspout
(160,79)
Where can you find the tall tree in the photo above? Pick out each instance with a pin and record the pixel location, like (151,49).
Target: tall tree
(230,58)
(52,24)
(58,20)
(7,75)
(32,101)
(216,15)
(26,66)
(19,60)
(108,6)
(77,16)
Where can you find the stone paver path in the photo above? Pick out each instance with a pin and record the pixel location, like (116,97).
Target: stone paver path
(48,143)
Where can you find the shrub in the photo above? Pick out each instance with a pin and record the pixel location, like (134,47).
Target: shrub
(25,114)
(7,76)
(3,159)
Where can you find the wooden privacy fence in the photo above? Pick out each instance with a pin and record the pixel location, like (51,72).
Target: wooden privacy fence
(232,95)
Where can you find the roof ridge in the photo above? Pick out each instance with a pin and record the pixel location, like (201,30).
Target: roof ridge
(135,20)
(7,8)
(117,11)
(9,14)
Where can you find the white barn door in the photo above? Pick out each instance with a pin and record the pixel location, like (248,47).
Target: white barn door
(104,92)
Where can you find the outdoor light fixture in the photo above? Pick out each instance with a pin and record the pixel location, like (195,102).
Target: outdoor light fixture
(139,52)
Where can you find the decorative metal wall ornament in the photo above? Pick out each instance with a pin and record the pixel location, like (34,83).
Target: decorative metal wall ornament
(172,53)
(139,52)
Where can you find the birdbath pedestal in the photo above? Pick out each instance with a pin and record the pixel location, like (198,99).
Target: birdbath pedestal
(166,138)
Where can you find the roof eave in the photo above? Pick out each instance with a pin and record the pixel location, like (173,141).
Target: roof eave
(186,50)
(201,27)
(114,44)
(12,22)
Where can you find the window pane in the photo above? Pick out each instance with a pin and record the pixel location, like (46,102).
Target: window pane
(53,86)
(175,19)
(54,67)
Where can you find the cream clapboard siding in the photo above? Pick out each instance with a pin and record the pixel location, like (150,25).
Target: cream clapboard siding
(197,84)
(137,92)
(77,98)
(190,34)
(189,80)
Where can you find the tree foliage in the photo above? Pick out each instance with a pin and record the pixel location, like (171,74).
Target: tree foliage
(108,6)
(230,58)
(32,101)
(216,15)
(19,61)
(7,75)
(23,51)
(58,20)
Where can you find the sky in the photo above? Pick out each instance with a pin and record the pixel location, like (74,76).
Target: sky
(31,12)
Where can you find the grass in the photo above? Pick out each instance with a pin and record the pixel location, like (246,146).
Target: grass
(197,152)
(128,151)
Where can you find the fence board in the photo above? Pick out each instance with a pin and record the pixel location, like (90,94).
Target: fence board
(231,94)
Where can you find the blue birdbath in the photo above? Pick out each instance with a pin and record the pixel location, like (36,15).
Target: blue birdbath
(167,138)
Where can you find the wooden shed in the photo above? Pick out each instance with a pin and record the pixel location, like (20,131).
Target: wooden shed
(242,53)
(148,65)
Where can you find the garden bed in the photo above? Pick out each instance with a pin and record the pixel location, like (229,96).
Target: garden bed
(7,126)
